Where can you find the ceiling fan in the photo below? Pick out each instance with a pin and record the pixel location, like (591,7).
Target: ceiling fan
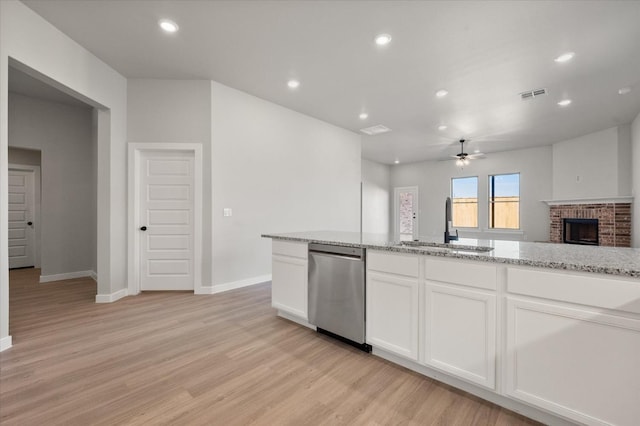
(462,159)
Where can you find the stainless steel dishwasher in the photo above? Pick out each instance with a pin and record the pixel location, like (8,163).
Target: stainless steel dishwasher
(337,292)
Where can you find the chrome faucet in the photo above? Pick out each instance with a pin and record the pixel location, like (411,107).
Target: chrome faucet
(448,222)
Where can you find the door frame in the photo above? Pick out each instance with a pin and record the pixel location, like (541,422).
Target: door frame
(396,210)
(36,206)
(133,249)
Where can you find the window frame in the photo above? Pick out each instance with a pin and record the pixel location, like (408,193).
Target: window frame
(477,201)
(490,203)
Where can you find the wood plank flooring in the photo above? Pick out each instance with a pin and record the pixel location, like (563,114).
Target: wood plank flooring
(180,359)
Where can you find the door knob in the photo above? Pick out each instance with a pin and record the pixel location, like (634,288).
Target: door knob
(143,228)
(29,223)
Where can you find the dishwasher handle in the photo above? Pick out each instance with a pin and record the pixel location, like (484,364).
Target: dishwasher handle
(328,249)
(335,256)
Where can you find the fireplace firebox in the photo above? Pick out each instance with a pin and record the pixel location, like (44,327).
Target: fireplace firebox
(580,231)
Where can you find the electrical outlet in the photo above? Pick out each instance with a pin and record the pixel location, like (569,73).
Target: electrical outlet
(226,212)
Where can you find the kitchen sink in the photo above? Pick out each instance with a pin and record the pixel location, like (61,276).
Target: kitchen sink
(445,247)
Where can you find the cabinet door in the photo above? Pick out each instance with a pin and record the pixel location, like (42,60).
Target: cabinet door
(460,332)
(582,364)
(392,314)
(289,285)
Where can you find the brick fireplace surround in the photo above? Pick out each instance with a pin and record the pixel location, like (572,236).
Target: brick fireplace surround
(614,221)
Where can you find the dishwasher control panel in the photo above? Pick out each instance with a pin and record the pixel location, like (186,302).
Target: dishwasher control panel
(339,250)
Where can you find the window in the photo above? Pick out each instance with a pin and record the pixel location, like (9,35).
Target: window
(464,197)
(504,201)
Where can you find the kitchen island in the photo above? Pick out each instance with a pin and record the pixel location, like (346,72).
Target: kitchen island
(548,330)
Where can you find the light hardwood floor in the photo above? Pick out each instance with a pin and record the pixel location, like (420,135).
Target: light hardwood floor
(180,359)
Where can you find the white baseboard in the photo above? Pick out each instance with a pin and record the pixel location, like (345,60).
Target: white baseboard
(5,343)
(67,276)
(94,275)
(203,290)
(233,285)
(108,298)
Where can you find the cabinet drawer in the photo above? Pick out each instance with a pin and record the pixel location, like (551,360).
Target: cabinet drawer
(608,293)
(290,248)
(459,272)
(392,263)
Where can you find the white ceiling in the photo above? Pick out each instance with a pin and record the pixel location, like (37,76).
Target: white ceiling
(484,53)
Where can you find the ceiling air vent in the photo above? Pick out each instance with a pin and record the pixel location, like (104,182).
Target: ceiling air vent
(530,94)
(375,130)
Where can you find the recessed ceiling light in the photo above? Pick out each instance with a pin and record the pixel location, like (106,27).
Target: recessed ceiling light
(624,91)
(363,116)
(476,151)
(383,39)
(565,57)
(293,84)
(168,25)
(396,161)
(442,127)
(564,102)
(441,93)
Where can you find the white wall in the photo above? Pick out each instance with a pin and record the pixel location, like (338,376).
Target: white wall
(593,165)
(433,179)
(175,111)
(375,197)
(280,171)
(625,166)
(63,134)
(169,111)
(36,47)
(635,165)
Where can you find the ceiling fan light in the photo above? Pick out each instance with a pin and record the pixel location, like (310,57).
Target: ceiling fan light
(383,39)
(565,57)
(465,161)
(168,25)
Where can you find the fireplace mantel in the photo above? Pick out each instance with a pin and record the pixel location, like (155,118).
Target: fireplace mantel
(599,200)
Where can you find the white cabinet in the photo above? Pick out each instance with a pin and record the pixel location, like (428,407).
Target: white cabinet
(393,302)
(578,360)
(392,314)
(460,332)
(459,328)
(289,278)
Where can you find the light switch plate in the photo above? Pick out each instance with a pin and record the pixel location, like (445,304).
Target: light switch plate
(227,212)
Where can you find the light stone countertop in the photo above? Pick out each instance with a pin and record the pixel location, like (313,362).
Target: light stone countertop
(603,260)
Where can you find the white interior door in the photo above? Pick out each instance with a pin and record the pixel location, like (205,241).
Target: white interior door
(406,213)
(21,217)
(166,220)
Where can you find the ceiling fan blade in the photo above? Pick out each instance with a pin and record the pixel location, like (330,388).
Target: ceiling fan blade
(478,156)
(450,158)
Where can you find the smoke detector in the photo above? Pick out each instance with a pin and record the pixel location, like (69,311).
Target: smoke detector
(530,94)
(375,130)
